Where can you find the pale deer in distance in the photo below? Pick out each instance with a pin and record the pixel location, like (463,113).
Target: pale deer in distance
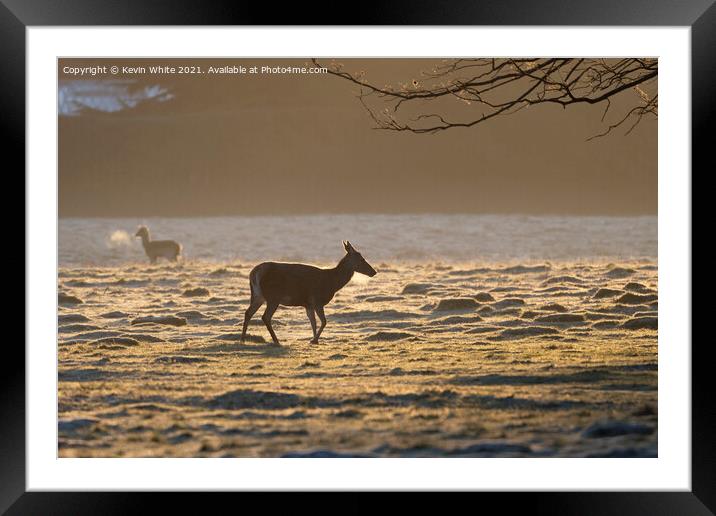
(296,284)
(168,249)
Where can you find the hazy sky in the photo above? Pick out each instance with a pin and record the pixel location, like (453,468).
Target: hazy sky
(139,145)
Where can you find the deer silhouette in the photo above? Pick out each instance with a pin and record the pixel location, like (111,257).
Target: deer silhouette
(297,284)
(168,249)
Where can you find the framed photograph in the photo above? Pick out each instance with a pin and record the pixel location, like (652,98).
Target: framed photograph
(432,251)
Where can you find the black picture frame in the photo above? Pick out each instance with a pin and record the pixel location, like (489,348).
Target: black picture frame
(700,15)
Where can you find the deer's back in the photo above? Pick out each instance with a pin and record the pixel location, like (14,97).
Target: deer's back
(290,284)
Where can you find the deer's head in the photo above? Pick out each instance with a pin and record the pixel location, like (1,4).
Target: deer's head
(142,232)
(356,261)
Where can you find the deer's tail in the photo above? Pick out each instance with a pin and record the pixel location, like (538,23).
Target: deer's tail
(254,282)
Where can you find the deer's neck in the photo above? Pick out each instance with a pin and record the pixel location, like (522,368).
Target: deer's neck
(341,274)
(145,240)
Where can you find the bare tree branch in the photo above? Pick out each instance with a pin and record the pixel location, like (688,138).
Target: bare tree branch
(488,88)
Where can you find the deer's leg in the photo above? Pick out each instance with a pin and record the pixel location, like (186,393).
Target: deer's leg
(322,317)
(250,311)
(312,317)
(266,318)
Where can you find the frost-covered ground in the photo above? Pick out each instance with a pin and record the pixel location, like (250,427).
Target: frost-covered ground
(428,358)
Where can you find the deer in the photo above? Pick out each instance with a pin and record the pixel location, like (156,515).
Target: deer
(297,284)
(168,249)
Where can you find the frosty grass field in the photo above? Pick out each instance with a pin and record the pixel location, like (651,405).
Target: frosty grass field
(480,336)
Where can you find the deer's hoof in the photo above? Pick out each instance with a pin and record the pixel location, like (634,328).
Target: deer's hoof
(314,341)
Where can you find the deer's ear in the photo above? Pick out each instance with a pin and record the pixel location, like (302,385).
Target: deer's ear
(348,246)
(345,245)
